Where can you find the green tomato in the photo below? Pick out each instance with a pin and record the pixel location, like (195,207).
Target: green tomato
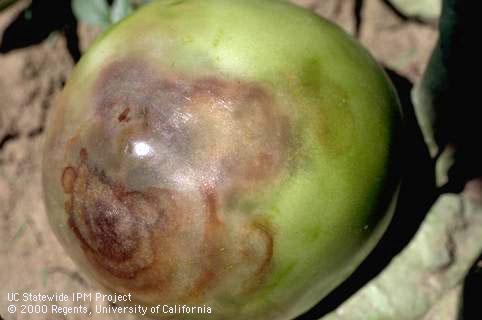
(236,155)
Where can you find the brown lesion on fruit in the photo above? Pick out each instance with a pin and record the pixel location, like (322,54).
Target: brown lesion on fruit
(147,194)
(251,255)
(233,127)
(68,179)
(123,117)
(212,246)
(113,226)
(138,241)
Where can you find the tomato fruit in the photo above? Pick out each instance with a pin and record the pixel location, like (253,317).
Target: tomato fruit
(240,155)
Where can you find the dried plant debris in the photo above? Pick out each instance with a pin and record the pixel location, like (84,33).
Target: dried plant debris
(426,10)
(435,262)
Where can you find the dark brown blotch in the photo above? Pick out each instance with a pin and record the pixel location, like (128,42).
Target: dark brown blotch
(104,221)
(68,179)
(123,117)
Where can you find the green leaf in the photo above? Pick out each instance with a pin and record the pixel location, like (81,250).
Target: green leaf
(120,9)
(94,12)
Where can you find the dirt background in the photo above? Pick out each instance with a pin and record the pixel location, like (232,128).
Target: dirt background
(31,259)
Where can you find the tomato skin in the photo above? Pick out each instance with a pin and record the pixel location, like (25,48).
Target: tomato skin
(241,155)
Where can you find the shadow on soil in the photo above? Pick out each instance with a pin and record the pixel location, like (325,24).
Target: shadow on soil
(36,22)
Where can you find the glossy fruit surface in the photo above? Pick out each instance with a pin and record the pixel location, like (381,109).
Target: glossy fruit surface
(239,155)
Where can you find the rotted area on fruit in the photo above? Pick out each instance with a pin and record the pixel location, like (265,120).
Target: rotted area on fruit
(151,182)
